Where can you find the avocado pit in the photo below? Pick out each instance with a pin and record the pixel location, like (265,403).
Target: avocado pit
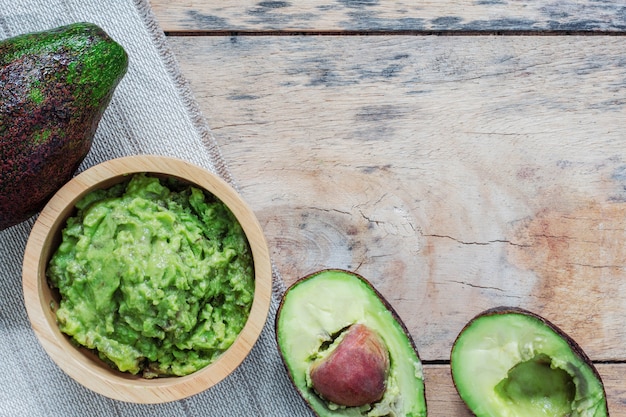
(354,372)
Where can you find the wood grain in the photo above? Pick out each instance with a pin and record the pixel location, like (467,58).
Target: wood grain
(456,173)
(371,15)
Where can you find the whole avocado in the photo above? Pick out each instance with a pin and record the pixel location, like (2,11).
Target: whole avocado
(54,88)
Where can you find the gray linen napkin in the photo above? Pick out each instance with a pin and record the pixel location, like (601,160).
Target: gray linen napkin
(152,112)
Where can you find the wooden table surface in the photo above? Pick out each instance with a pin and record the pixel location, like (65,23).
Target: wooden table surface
(459,155)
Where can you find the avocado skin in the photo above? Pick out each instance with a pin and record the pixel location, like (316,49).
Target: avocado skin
(571,343)
(54,88)
(394,316)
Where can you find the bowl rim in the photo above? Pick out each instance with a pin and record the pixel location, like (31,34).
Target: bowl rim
(86,368)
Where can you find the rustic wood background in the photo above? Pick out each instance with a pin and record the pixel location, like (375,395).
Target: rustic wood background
(459,155)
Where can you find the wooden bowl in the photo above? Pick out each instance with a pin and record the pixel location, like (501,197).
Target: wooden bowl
(83,365)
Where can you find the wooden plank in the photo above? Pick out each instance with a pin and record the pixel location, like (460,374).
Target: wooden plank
(406,15)
(456,174)
(443,400)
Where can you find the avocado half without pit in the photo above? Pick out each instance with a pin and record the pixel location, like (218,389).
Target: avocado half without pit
(346,350)
(510,362)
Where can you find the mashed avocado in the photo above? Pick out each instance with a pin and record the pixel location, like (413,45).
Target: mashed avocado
(154,275)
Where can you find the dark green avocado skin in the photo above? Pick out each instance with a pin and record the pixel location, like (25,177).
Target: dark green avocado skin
(54,88)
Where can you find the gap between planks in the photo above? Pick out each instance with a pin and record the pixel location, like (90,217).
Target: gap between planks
(232,33)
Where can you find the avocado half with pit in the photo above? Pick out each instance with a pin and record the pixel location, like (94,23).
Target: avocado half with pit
(346,350)
(509,361)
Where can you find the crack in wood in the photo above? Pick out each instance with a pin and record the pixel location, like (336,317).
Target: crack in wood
(486,243)
(469,284)
(596,266)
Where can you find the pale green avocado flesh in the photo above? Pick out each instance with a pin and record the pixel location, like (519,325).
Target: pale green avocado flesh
(515,364)
(314,314)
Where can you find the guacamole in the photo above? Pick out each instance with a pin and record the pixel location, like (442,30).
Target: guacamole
(154,275)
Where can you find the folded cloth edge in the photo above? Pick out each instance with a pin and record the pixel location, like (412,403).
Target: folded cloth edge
(200,123)
(198,119)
